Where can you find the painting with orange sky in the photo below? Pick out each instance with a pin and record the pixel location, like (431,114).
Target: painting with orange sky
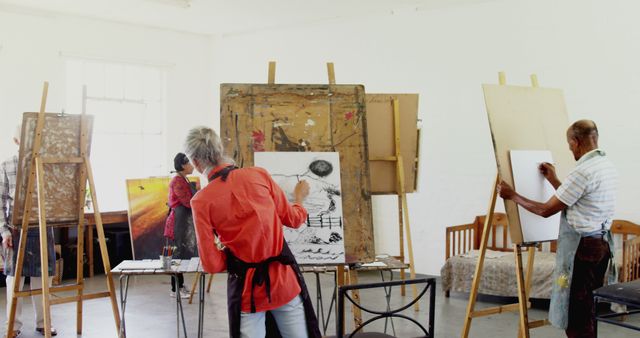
(148,212)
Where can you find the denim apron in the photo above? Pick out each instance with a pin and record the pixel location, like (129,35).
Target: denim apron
(568,242)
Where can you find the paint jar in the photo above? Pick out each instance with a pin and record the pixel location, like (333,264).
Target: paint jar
(165,262)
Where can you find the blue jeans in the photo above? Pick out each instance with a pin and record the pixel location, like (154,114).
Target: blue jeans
(289,317)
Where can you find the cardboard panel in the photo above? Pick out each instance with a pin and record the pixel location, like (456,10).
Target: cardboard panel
(292,117)
(380,130)
(61,139)
(526,118)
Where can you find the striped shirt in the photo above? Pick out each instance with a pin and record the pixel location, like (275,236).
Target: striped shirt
(589,191)
(8,173)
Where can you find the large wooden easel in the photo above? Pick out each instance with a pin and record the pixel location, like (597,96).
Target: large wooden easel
(403,209)
(344,275)
(523,280)
(35,180)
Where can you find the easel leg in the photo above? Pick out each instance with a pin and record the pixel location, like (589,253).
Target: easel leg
(403,289)
(210,282)
(522,294)
(80,274)
(193,286)
(477,276)
(528,276)
(103,244)
(44,250)
(357,313)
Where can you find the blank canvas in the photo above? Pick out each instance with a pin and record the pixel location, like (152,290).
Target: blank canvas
(530,183)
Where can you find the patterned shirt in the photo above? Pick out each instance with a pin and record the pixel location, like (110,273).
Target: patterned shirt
(589,191)
(8,173)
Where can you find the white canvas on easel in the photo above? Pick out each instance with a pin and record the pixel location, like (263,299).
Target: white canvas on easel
(530,183)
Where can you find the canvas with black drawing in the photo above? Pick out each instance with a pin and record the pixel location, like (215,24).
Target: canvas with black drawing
(321,239)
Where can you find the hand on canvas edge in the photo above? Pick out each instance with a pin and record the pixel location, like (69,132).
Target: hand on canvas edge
(505,190)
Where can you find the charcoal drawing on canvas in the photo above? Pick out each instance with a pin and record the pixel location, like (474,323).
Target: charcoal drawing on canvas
(320,240)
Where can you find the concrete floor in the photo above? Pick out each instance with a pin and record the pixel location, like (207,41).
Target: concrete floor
(151,313)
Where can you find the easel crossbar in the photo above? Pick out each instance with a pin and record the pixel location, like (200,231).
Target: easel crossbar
(52,289)
(73,299)
(497,309)
(65,160)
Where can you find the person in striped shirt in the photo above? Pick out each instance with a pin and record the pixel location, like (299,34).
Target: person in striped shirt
(10,240)
(587,200)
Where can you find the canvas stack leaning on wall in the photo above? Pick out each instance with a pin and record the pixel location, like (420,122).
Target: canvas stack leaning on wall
(320,240)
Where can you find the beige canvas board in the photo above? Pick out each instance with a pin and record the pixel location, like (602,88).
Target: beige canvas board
(526,118)
(380,133)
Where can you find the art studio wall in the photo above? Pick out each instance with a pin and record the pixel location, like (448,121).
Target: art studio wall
(34,46)
(444,52)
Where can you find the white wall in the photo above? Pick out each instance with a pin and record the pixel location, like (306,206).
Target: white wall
(30,53)
(588,48)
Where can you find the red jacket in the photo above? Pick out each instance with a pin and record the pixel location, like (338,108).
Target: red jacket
(179,194)
(248,211)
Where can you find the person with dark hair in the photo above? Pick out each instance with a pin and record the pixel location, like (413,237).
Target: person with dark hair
(247,210)
(178,229)
(586,199)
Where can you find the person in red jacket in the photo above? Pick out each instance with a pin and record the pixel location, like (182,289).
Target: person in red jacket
(246,209)
(178,228)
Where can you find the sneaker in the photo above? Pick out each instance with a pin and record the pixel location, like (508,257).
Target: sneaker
(16,334)
(183,295)
(40,330)
(185,289)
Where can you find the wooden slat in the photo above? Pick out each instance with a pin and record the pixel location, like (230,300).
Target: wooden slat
(473,294)
(497,309)
(62,160)
(272,73)
(73,299)
(383,158)
(52,289)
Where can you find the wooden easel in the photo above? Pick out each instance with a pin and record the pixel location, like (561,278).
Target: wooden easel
(403,209)
(36,181)
(523,281)
(343,276)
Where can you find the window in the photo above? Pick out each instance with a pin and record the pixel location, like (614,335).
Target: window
(128,105)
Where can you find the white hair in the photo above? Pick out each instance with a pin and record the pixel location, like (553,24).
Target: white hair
(204,145)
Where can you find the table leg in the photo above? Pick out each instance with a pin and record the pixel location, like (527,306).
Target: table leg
(203,278)
(388,291)
(124,291)
(179,311)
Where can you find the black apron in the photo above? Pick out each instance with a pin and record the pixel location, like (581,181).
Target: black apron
(237,271)
(184,234)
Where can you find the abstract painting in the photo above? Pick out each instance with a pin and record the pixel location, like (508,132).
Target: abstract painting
(148,212)
(320,240)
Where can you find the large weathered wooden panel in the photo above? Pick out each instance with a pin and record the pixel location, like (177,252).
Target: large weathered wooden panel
(60,140)
(526,118)
(257,117)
